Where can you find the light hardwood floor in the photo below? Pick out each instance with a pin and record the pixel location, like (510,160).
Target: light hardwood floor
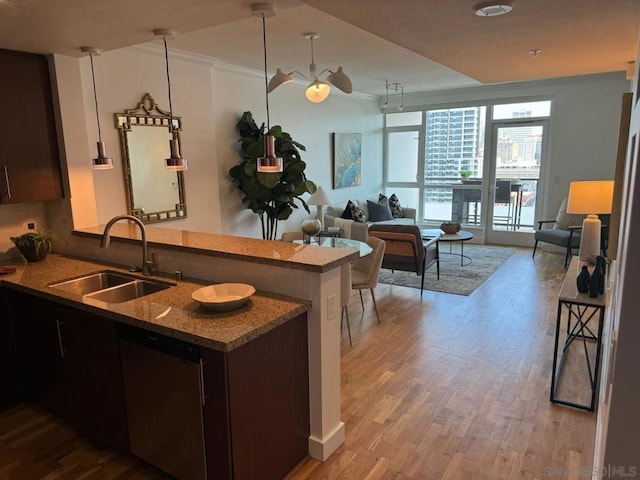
(446,387)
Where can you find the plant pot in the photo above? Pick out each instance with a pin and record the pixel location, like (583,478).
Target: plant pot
(33,254)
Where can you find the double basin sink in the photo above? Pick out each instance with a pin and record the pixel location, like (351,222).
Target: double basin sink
(111,287)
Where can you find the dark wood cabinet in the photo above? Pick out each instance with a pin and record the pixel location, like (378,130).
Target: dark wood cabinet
(257,397)
(9,387)
(29,155)
(69,362)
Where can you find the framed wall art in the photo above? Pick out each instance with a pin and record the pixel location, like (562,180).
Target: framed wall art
(347,159)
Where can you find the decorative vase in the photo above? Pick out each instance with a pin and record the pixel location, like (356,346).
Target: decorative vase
(596,277)
(310,228)
(583,279)
(603,273)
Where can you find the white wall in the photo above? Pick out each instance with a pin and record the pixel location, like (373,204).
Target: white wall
(583,130)
(210,100)
(309,124)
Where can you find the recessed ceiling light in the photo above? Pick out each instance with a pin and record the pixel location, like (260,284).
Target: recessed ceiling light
(491,9)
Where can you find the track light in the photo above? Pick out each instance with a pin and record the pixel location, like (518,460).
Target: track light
(396,86)
(101,162)
(175,162)
(318,90)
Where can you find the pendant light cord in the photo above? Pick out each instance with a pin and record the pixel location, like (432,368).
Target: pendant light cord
(166,61)
(266,83)
(95,97)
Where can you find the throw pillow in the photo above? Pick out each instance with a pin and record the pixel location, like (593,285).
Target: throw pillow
(357,214)
(379,212)
(347,211)
(565,220)
(396,208)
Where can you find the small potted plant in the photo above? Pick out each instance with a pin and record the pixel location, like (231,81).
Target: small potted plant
(465,174)
(35,246)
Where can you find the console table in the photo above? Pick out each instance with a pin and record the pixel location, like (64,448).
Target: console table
(583,317)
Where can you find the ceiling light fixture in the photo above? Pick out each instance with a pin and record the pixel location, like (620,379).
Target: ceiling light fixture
(175,162)
(491,9)
(535,52)
(269,162)
(101,162)
(318,90)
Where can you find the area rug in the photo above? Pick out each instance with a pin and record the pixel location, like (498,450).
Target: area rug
(485,259)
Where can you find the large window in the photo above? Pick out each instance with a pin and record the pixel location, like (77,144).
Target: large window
(426,152)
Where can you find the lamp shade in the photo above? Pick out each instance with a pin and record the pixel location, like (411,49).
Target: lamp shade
(590,197)
(278,79)
(318,91)
(320,198)
(340,80)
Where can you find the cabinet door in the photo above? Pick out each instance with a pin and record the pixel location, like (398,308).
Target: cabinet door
(9,390)
(69,362)
(40,351)
(93,376)
(29,157)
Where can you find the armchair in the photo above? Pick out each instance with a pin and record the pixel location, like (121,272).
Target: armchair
(566,231)
(405,250)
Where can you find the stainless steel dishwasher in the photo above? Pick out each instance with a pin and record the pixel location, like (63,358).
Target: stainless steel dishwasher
(163,393)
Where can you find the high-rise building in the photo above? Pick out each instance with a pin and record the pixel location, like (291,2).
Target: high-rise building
(454,141)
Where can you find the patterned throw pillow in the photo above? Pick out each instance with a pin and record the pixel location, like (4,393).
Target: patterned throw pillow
(396,208)
(357,214)
(346,214)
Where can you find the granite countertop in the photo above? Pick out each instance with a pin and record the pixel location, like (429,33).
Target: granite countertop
(170,312)
(277,253)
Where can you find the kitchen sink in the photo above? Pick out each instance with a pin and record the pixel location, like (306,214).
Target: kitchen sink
(111,287)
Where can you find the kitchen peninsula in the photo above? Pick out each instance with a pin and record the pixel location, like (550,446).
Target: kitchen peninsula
(308,273)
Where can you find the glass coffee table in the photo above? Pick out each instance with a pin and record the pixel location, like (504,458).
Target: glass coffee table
(462,236)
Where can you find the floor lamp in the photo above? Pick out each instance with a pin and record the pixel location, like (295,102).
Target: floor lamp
(590,198)
(320,199)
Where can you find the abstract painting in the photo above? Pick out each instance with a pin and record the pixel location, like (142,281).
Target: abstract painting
(347,159)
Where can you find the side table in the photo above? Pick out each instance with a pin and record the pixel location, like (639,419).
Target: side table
(584,319)
(462,236)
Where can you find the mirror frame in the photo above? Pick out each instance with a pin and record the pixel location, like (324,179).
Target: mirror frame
(148,114)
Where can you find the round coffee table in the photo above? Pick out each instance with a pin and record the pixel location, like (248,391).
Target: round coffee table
(462,236)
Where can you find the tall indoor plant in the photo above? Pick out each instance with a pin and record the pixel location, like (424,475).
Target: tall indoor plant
(272,196)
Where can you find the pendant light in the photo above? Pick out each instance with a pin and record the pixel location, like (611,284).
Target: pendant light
(269,162)
(317,91)
(175,162)
(101,162)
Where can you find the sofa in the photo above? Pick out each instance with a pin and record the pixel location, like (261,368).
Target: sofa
(360,230)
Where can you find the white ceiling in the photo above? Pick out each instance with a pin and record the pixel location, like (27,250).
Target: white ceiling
(421,44)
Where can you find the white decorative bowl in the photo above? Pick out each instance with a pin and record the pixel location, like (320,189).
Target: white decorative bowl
(223,297)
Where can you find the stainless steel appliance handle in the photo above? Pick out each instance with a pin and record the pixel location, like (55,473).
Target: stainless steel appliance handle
(201,372)
(58,323)
(6,179)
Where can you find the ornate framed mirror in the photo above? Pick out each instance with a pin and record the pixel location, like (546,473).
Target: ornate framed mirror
(154,194)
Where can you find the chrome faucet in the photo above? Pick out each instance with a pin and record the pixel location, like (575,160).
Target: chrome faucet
(106,240)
